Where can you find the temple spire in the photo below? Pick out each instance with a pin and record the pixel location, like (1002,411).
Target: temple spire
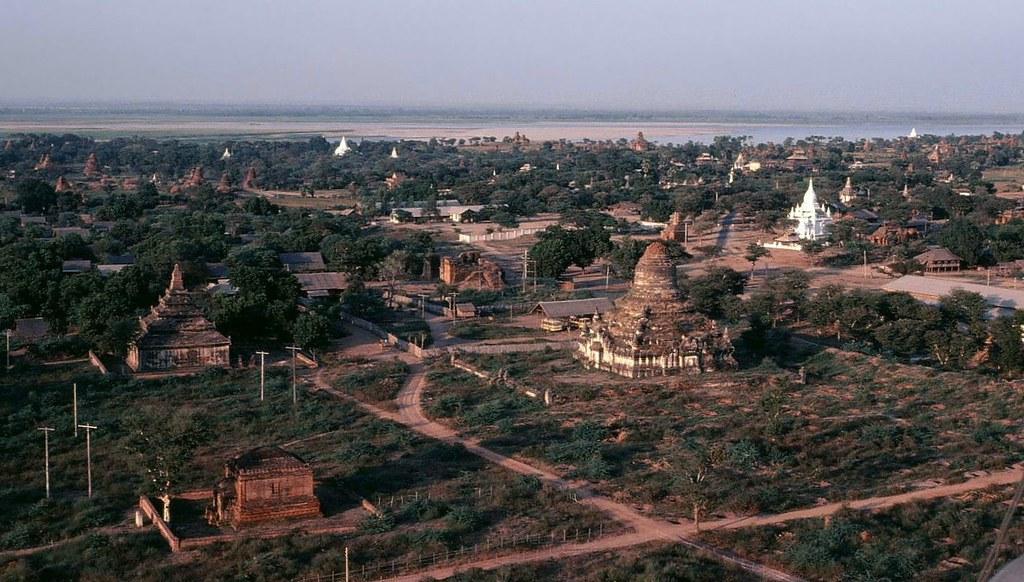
(177,279)
(810,196)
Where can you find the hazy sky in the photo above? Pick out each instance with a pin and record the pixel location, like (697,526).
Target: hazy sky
(924,55)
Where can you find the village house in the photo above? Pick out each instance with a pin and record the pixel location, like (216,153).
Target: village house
(938,260)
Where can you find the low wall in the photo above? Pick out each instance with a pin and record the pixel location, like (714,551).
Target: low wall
(471,369)
(98,363)
(165,530)
(391,338)
(500,235)
(515,348)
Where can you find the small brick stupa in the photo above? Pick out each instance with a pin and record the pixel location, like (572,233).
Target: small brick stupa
(652,331)
(177,336)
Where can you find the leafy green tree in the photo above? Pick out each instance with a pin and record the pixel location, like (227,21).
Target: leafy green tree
(626,255)
(34,195)
(964,239)
(312,331)
(714,294)
(755,252)
(163,441)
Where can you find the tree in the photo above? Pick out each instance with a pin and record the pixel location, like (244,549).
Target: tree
(715,293)
(754,253)
(392,270)
(964,239)
(163,440)
(626,255)
(312,331)
(35,196)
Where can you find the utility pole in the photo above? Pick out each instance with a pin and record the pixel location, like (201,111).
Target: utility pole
(46,455)
(7,366)
(607,275)
(865,264)
(451,304)
(262,377)
(88,453)
(74,406)
(346,564)
(295,394)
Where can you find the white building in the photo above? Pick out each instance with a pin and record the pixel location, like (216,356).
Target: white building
(813,219)
(226,155)
(847,194)
(913,133)
(342,148)
(394,153)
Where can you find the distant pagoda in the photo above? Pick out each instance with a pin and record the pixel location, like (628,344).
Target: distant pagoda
(343,148)
(176,335)
(653,331)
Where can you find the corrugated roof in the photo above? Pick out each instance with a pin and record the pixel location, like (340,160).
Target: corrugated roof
(322,281)
(933,255)
(934,288)
(313,261)
(575,307)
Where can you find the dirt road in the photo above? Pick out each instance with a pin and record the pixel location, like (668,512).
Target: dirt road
(646,529)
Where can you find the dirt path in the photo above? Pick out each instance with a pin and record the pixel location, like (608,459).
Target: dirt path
(410,413)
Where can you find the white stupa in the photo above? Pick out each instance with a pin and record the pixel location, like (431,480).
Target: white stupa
(813,219)
(847,194)
(226,155)
(394,153)
(913,133)
(342,148)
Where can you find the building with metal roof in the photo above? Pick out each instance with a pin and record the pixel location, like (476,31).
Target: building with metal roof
(574,307)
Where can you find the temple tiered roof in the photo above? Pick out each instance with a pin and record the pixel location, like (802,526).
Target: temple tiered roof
(177,322)
(653,330)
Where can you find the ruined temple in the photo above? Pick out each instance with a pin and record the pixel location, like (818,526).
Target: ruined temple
(176,335)
(652,331)
(675,230)
(63,185)
(44,163)
(261,485)
(640,144)
(225,186)
(92,166)
(195,178)
(249,181)
(470,271)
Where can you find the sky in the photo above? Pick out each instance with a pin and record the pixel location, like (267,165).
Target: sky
(948,56)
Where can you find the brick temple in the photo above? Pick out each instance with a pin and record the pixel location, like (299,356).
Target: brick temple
(261,485)
(471,271)
(652,331)
(176,335)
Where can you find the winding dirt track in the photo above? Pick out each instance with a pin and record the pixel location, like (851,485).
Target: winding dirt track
(410,413)
(645,529)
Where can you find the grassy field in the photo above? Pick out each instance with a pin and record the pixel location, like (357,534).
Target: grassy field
(939,541)
(861,426)
(435,497)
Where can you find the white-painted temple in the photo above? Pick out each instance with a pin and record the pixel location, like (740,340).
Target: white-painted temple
(342,148)
(226,155)
(394,153)
(812,219)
